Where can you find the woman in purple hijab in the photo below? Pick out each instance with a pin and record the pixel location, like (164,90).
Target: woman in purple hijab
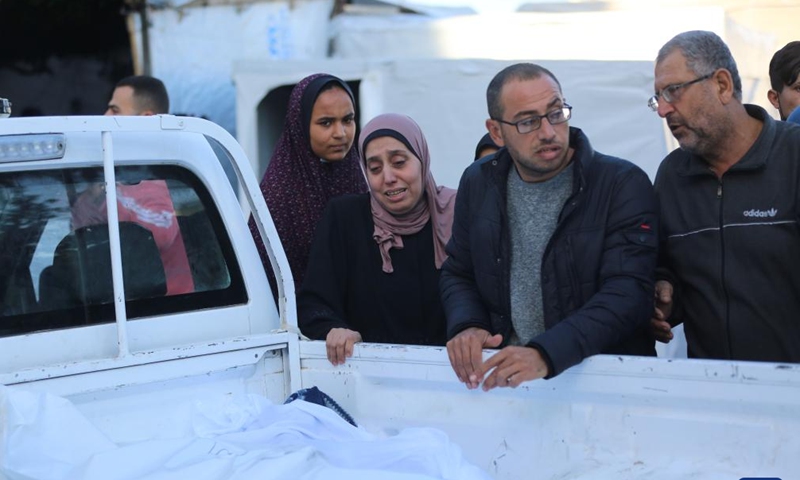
(373,273)
(313,162)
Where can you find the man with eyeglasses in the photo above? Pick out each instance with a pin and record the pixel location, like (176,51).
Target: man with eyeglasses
(729,265)
(553,249)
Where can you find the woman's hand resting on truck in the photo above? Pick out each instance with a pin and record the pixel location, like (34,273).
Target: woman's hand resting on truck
(339,343)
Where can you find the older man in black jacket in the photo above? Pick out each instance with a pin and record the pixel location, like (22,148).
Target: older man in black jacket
(553,249)
(730,242)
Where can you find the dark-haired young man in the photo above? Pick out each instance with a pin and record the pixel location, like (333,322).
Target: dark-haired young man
(784,77)
(139,95)
(147,203)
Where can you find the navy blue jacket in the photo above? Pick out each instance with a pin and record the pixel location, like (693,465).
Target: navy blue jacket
(597,269)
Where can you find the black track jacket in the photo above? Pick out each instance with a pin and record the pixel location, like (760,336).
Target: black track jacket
(731,247)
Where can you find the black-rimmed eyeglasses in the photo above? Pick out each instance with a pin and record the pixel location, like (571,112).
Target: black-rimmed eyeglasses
(671,93)
(529,124)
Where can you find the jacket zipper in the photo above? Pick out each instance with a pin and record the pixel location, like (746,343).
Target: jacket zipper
(572,274)
(566,210)
(505,251)
(722,270)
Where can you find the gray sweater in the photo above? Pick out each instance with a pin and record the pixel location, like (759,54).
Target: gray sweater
(533,210)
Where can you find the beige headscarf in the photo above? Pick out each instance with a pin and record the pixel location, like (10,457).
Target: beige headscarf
(437,205)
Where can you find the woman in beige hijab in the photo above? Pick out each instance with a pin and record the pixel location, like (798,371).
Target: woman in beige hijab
(374,268)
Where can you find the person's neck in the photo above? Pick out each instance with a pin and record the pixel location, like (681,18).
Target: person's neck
(737,143)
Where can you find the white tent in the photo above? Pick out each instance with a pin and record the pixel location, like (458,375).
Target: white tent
(436,70)
(222,58)
(447,98)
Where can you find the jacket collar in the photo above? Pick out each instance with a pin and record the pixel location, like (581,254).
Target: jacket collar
(497,166)
(755,158)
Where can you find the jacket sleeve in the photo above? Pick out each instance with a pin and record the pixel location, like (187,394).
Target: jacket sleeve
(624,300)
(321,299)
(663,270)
(461,300)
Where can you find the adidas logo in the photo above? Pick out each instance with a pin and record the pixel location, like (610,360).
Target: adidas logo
(760,213)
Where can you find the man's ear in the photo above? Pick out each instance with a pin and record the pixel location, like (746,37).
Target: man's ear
(773,97)
(493,126)
(725,87)
(147,113)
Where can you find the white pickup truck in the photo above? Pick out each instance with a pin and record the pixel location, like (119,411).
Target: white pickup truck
(89,313)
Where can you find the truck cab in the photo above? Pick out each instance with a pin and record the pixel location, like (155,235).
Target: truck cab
(58,250)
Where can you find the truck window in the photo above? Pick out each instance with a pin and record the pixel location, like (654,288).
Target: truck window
(55,260)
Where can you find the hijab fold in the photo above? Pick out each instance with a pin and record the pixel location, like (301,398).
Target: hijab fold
(436,206)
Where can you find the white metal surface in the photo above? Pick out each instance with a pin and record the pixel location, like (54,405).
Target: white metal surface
(114,245)
(608,418)
(144,395)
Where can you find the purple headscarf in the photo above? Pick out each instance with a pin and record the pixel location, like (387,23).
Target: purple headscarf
(297,184)
(437,205)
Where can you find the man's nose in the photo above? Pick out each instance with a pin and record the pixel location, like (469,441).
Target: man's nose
(664,108)
(546,129)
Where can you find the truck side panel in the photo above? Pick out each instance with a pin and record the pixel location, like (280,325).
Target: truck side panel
(610,417)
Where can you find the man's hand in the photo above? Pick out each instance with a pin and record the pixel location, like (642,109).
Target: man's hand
(512,366)
(659,324)
(339,343)
(466,356)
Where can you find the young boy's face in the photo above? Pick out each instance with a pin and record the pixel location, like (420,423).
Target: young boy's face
(787,99)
